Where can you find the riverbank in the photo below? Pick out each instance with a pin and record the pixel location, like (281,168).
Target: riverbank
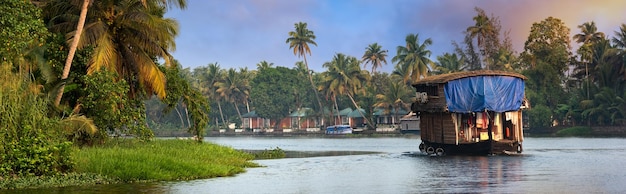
(578,131)
(362,133)
(130,160)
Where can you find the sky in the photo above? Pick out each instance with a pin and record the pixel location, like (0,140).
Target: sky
(242,33)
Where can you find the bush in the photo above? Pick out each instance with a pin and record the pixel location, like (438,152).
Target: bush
(108,104)
(540,116)
(32,143)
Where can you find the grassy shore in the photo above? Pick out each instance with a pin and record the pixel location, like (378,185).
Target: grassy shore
(129,160)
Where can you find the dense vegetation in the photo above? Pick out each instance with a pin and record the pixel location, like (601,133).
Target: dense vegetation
(75,73)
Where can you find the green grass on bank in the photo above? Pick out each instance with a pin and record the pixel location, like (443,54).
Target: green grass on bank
(131,160)
(575,131)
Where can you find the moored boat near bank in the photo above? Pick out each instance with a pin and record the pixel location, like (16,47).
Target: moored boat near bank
(477,112)
(339,129)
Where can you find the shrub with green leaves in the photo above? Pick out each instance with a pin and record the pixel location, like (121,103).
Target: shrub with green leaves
(20,29)
(540,116)
(32,143)
(107,103)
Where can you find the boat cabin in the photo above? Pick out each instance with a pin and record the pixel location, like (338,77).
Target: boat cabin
(477,112)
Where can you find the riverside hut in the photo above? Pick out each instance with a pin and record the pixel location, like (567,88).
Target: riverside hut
(477,112)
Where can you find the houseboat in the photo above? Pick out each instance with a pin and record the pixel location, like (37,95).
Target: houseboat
(471,113)
(339,129)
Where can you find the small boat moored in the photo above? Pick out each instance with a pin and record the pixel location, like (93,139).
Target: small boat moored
(339,129)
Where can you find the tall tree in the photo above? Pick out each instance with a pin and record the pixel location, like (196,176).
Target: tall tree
(345,77)
(481,29)
(375,56)
(299,41)
(546,56)
(588,36)
(486,30)
(72,51)
(414,57)
(181,92)
(588,33)
(208,77)
(127,35)
(620,42)
(273,92)
(234,88)
(620,37)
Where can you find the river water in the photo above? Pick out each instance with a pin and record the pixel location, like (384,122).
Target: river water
(391,165)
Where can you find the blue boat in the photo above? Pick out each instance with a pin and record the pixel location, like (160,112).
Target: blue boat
(339,129)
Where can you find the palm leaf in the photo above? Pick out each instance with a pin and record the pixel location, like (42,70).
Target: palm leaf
(79,124)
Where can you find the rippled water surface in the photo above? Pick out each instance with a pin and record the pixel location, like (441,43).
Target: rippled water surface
(548,165)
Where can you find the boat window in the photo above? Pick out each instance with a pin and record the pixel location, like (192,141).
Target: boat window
(431,90)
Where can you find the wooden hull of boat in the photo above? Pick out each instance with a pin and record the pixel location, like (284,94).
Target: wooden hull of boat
(477,148)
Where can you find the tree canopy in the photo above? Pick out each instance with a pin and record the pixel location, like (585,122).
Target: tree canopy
(275,92)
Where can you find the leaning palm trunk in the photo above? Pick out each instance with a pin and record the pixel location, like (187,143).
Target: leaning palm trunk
(238,112)
(367,120)
(72,51)
(180,117)
(319,102)
(219,106)
(187,114)
(337,108)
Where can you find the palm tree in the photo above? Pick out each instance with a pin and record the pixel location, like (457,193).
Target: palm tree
(620,42)
(482,29)
(588,36)
(330,94)
(264,64)
(449,63)
(127,35)
(620,37)
(401,73)
(413,58)
(588,33)
(397,96)
(299,41)
(245,77)
(208,77)
(234,88)
(375,56)
(345,77)
(72,51)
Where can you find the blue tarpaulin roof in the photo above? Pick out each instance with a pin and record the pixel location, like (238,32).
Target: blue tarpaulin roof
(480,93)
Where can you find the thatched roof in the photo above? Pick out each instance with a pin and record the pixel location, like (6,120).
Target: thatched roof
(443,78)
